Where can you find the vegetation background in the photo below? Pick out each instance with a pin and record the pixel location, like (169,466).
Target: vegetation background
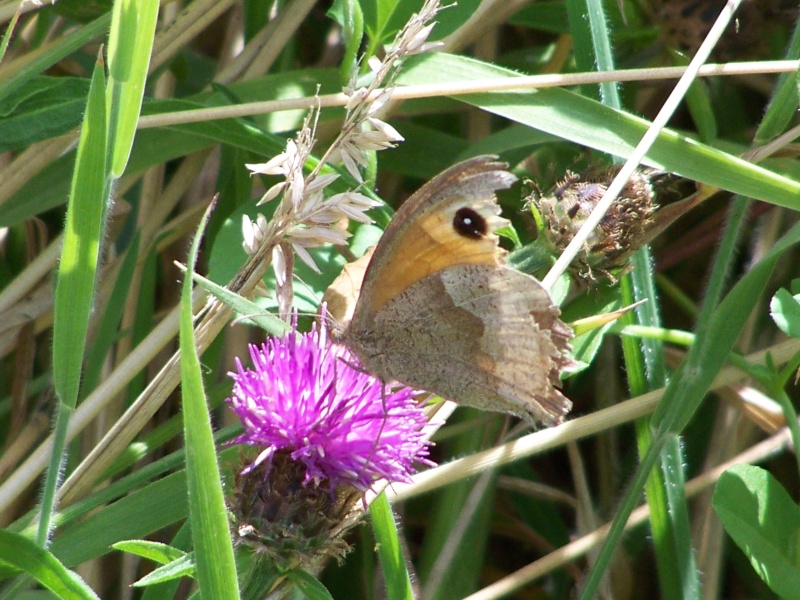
(524,520)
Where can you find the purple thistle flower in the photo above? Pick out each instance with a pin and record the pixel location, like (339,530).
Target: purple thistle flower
(303,398)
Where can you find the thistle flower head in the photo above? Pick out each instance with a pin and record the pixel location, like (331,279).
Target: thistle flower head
(346,427)
(324,433)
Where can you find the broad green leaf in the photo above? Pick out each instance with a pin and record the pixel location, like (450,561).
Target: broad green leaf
(309,585)
(764,521)
(785,311)
(44,107)
(377,16)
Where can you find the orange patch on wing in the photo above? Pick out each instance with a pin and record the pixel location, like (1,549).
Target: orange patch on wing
(427,246)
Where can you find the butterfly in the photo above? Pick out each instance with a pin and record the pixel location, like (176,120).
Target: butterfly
(440,310)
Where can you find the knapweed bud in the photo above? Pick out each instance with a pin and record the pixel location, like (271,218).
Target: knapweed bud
(623,230)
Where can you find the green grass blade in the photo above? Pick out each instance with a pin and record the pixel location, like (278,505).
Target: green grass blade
(76,279)
(395,574)
(624,510)
(714,338)
(216,568)
(79,254)
(55,53)
(129,46)
(174,571)
(12,24)
(783,104)
(646,371)
(666,519)
(20,552)
(249,309)
(584,121)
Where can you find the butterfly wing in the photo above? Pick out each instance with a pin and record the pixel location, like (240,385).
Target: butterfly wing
(480,335)
(440,311)
(422,238)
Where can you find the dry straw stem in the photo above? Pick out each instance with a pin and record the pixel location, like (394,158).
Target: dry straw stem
(41,266)
(265,47)
(431,90)
(187,25)
(488,15)
(758,154)
(580,547)
(575,429)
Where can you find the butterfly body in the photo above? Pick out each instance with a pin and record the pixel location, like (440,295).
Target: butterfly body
(439,310)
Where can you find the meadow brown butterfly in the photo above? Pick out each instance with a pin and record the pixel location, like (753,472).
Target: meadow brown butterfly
(439,309)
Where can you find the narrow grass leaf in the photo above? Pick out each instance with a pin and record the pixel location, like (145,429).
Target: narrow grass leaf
(782,105)
(690,383)
(253,312)
(51,55)
(180,567)
(216,568)
(349,15)
(764,521)
(79,255)
(584,121)
(715,340)
(12,24)
(454,551)
(395,574)
(155,551)
(132,516)
(643,376)
(129,46)
(75,286)
(22,553)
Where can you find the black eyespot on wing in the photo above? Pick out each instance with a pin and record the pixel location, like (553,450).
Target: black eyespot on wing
(470,223)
